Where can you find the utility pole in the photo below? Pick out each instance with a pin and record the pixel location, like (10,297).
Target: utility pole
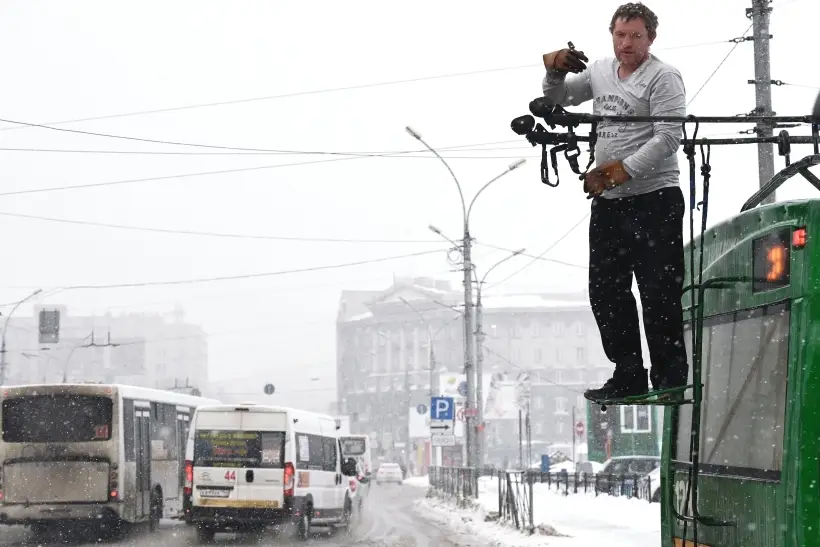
(759,14)
(520,439)
(469,347)
(572,432)
(479,373)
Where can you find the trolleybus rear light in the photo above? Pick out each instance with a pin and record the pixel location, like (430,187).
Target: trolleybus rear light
(799,237)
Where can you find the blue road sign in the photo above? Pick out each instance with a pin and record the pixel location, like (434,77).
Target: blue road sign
(462,389)
(545,463)
(442,408)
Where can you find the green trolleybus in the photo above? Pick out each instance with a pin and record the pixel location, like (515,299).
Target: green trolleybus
(741,443)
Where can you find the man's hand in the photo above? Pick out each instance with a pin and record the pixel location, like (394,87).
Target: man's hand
(605,176)
(566,60)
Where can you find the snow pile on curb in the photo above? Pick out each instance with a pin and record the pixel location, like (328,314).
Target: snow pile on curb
(473,522)
(577,520)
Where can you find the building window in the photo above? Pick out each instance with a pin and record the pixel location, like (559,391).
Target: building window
(579,328)
(536,330)
(636,419)
(559,377)
(515,354)
(603,376)
(539,403)
(580,355)
(539,429)
(559,427)
(537,356)
(560,405)
(557,328)
(580,402)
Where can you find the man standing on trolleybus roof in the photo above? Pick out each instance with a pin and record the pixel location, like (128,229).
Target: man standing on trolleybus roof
(636,223)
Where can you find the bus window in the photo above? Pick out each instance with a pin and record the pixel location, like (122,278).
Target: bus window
(239,449)
(57,418)
(352,446)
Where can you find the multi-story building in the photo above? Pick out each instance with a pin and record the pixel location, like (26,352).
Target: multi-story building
(151,350)
(547,343)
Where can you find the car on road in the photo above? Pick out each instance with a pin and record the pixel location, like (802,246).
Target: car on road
(620,473)
(389,472)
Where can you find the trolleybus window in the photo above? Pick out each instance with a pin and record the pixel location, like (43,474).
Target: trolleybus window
(57,418)
(239,449)
(745,367)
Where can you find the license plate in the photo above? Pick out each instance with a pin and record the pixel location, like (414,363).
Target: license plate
(214,493)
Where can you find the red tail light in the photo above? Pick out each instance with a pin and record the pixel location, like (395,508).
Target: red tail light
(799,238)
(353,485)
(189,477)
(289,479)
(113,483)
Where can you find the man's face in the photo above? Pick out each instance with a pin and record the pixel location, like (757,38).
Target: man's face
(631,41)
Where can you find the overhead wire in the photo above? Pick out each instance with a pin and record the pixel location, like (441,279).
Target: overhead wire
(540,256)
(734,47)
(318,91)
(198,280)
(211,234)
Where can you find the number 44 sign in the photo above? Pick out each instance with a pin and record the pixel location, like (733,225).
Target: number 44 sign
(230,475)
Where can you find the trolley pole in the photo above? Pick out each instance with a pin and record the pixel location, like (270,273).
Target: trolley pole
(759,14)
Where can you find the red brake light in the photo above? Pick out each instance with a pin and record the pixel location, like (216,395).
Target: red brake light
(289,479)
(189,477)
(799,237)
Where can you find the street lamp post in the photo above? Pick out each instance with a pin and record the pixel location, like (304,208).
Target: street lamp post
(479,370)
(5,329)
(469,342)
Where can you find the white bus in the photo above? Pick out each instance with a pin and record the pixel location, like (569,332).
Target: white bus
(92,453)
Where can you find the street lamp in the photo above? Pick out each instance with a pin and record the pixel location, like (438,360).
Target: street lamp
(479,386)
(469,342)
(5,328)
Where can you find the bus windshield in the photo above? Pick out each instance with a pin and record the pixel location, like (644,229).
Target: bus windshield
(239,449)
(353,446)
(57,419)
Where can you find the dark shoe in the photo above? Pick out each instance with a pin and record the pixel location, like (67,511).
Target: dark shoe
(624,383)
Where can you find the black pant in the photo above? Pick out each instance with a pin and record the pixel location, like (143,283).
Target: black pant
(640,235)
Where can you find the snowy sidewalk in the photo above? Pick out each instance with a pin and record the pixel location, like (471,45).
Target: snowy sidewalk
(580,520)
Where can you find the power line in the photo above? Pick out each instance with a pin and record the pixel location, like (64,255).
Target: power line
(540,256)
(462,148)
(545,259)
(734,47)
(211,234)
(247,276)
(49,125)
(287,95)
(198,174)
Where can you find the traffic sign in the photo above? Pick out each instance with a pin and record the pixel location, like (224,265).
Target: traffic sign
(579,428)
(421,409)
(462,389)
(441,408)
(442,427)
(443,440)
(269,389)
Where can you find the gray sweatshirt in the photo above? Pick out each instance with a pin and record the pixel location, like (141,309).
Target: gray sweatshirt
(648,150)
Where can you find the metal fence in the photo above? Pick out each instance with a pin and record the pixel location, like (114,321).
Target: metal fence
(515,488)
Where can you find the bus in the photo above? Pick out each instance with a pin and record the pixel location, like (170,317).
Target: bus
(92,454)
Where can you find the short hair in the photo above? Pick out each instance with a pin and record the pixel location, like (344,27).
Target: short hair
(636,10)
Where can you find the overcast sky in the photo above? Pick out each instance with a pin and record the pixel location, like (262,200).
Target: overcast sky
(75,60)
